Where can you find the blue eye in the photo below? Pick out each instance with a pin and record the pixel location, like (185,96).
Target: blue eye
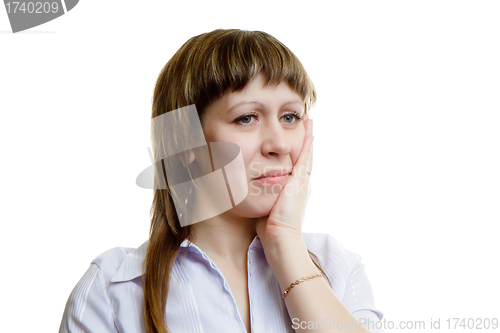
(246,120)
(291,116)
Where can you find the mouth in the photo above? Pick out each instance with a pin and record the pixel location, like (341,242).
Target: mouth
(274,173)
(278,179)
(275,176)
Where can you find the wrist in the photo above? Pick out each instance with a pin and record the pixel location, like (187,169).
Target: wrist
(289,260)
(278,249)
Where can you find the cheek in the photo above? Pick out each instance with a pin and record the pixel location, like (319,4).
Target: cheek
(248,152)
(248,148)
(297,144)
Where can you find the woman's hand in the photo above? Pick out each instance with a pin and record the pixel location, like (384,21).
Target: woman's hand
(284,222)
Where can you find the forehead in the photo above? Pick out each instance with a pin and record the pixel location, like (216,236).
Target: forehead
(258,93)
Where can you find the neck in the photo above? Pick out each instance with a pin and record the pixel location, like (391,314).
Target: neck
(225,237)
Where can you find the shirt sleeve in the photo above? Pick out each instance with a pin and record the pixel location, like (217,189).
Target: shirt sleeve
(359,299)
(88,308)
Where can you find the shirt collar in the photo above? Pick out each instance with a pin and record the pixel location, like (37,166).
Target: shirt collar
(255,244)
(131,266)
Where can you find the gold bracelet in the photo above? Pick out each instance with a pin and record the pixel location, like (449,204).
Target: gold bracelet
(299,281)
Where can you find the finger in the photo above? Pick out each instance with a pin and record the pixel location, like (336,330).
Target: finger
(308,125)
(300,167)
(310,160)
(309,130)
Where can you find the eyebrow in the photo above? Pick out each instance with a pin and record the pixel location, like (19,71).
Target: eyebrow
(262,106)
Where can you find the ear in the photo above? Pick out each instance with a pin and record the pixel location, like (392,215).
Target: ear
(190,157)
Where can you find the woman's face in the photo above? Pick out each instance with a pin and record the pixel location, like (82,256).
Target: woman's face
(265,122)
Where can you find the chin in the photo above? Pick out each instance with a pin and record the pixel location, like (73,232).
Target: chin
(256,206)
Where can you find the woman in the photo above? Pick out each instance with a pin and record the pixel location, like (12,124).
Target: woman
(235,271)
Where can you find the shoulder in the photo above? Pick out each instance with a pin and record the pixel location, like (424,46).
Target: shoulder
(121,263)
(89,306)
(110,261)
(92,304)
(112,256)
(330,252)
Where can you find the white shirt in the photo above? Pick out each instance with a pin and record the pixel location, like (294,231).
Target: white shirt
(109,297)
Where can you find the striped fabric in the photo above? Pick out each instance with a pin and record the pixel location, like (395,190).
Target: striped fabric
(109,297)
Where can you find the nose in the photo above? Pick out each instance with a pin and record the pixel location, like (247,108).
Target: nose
(275,140)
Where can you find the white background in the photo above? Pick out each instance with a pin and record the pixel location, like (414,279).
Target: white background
(406,152)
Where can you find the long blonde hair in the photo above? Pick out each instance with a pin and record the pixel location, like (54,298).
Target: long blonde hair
(201,71)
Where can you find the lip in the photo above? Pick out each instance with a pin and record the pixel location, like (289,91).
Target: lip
(282,179)
(275,173)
